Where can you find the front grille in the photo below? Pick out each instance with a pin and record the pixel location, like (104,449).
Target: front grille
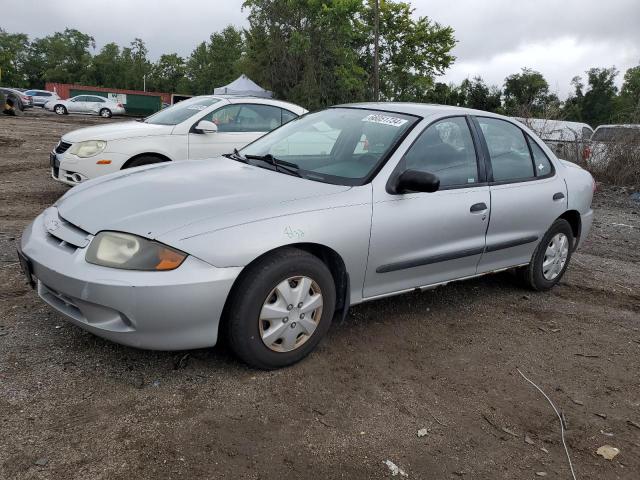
(62,147)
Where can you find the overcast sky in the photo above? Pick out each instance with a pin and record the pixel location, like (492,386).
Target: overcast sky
(560,38)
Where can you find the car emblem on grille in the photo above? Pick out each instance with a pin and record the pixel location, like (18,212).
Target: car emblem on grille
(52,224)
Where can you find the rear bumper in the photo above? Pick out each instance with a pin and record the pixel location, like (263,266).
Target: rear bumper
(585,227)
(174,310)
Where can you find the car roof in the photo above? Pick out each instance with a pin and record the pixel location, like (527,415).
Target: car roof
(421,109)
(620,125)
(256,99)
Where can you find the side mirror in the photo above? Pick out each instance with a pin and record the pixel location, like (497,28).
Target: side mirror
(205,126)
(416,181)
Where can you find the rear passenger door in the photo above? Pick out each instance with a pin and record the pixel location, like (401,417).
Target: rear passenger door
(527,194)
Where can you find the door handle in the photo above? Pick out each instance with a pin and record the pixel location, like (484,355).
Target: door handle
(558,196)
(478,207)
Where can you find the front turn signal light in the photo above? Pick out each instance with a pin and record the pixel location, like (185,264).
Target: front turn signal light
(103,162)
(169,259)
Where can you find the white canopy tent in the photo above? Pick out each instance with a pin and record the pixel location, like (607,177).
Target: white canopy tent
(243,85)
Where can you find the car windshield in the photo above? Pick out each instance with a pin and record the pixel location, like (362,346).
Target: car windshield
(617,134)
(338,145)
(179,112)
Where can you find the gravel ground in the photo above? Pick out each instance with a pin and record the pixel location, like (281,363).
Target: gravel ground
(73,406)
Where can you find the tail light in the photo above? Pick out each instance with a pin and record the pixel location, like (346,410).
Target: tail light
(595,185)
(586,153)
(120,105)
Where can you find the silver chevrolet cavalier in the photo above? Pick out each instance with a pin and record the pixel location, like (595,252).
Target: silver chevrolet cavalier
(269,244)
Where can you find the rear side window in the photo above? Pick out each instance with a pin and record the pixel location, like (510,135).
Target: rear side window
(586,133)
(445,149)
(540,159)
(508,149)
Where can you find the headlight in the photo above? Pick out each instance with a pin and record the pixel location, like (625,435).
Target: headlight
(130,252)
(88,148)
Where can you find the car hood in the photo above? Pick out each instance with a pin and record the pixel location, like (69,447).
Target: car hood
(115,131)
(186,198)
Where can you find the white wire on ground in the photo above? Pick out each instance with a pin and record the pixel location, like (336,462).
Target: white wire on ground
(573,474)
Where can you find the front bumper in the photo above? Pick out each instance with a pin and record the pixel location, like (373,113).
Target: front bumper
(72,170)
(174,310)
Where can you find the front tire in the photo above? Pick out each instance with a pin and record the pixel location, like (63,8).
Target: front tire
(105,113)
(60,109)
(550,259)
(280,309)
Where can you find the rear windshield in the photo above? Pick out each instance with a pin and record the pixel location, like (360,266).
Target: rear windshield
(617,134)
(179,112)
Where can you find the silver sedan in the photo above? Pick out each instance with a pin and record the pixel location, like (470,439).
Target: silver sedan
(338,207)
(87,105)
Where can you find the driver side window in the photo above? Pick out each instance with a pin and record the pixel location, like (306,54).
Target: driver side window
(445,149)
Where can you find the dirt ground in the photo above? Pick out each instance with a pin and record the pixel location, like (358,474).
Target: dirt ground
(73,406)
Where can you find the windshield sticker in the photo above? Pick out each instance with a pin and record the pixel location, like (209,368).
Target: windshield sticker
(196,107)
(385,120)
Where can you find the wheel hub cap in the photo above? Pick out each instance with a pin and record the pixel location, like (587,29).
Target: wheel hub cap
(290,314)
(555,256)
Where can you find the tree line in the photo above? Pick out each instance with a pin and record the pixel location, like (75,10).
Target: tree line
(316,54)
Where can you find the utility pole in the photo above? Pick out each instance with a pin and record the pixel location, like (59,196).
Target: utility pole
(144,82)
(376,42)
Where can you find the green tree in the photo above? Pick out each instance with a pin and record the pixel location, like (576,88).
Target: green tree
(598,105)
(215,63)
(572,109)
(306,51)
(527,94)
(444,94)
(13,56)
(475,93)
(107,67)
(168,74)
(321,52)
(135,64)
(62,57)
(628,104)
(413,51)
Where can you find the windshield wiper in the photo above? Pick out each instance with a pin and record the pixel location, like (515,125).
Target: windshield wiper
(236,155)
(279,165)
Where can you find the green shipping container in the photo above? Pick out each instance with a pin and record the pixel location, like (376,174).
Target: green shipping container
(137,105)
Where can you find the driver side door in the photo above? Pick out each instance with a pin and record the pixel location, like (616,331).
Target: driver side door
(238,125)
(420,239)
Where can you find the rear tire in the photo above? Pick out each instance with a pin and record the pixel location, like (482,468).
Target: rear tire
(550,259)
(280,309)
(143,160)
(60,110)
(105,113)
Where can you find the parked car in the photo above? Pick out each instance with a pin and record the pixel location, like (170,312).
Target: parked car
(568,140)
(197,128)
(41,97)
(606,139)
(403,197)
(87,105)
(20,100)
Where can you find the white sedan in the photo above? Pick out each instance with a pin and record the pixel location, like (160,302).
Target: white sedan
(86,104)
(194,129)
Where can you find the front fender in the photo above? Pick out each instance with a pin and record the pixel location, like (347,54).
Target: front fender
(344,229)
